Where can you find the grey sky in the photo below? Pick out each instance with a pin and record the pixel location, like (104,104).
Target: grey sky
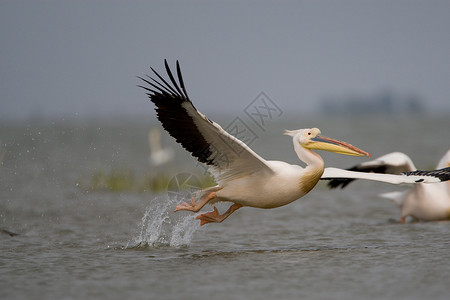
(80,58)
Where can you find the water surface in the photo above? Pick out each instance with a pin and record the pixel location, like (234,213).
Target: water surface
(77,243)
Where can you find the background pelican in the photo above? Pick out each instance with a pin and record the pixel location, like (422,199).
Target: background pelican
(158,155)
(243,177)
(426,202)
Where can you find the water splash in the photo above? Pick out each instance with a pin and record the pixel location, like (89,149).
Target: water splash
(160,226)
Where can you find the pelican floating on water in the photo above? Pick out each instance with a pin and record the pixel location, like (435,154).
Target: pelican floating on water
(243,177)
(425,202)
(158,154)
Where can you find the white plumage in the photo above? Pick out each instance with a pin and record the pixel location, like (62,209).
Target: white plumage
(243,177)
(158,155)
(426,202)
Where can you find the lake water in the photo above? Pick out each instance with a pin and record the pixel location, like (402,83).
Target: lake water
(75,242)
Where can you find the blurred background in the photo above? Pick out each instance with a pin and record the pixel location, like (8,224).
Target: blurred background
(79,59)
(86,170)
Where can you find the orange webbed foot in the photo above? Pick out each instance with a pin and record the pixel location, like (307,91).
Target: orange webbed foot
(187,206)
(215,217)
(196,206)
(209,217)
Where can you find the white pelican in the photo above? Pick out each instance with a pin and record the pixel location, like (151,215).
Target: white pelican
(425,202)
(244,178)
(158,154)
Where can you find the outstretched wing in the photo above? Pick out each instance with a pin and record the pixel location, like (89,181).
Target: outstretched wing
(392,163)
(226,156)
(445,161)
(408,177)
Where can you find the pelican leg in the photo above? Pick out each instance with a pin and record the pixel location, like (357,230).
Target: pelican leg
(215,217)
(196,206)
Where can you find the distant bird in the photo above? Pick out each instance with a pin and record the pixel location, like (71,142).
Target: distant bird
(2,152)
(10,233)
(425,202)
(158,155)
(244,178)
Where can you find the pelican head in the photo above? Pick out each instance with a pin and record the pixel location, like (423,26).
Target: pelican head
(311,138)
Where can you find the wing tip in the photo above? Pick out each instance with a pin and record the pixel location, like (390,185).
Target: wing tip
(441,174)
(162,87)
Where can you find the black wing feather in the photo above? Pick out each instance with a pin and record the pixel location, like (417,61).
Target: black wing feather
(343,182)
(169,72)
(175,118)
(167,86)
(180,79)
(442,174)
(154,86)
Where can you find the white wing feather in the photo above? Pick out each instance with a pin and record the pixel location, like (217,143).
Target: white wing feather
(232,157)
(388,178)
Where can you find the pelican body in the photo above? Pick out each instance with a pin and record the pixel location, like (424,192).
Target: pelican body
(243,177)
(424,202)
(280,183)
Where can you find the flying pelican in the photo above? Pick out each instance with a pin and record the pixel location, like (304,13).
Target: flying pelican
(425,202)
(244,178)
